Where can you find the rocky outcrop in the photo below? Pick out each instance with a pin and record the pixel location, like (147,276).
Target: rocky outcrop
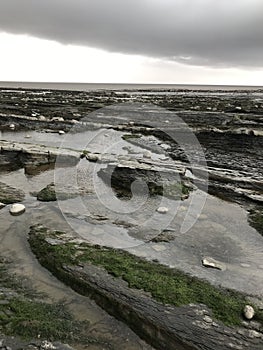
(159,180)
(9,194)
(164,326)
(15,155)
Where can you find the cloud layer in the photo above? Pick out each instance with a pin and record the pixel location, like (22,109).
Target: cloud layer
(199,32)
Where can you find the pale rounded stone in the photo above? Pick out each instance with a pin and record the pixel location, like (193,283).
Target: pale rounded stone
(61,132)
(17,209)
(249,312)
(245,265)
(92,157)
(159,248)
(162,210)
(27,136)
(147,154)
(41,117)
(57,119)
(12,126)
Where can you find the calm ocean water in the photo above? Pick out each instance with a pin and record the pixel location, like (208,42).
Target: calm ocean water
(95,86)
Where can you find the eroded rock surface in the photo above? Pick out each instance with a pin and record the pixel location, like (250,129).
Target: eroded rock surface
(9,194)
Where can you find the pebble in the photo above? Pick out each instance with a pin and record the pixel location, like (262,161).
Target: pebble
(57,119)
(208,319)
(93,157)
(162,210)
(249,312)
(61,132)
(27,136)
(244,265)
(12,126)
(147,154)
(17,209)
(159,248)
(210,262)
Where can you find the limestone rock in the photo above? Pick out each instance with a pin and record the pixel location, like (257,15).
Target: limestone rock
(249,312)
(17,209)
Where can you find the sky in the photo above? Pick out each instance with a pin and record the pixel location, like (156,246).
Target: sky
(132,41)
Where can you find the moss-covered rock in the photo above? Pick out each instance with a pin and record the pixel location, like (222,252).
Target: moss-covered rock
(47,194)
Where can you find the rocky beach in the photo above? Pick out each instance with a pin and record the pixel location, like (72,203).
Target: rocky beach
(131,219)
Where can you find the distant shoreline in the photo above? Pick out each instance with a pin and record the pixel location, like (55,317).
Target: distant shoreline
(109,86)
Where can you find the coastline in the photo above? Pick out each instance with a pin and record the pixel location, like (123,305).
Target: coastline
(34,124)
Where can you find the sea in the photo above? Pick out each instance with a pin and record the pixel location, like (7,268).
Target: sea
(101,86)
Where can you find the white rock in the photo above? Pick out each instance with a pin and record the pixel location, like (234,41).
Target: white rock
(147,154)
(61,132)
(249,312)
(210,262)
(189,174)
(164,146)
(57,119)
(27,136)
(41,117)
(12,126)
(162,210)
(92,157)
(2,205)
(17,209)
(159,248)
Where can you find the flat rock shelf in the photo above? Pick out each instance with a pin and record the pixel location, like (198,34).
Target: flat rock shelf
(145,206)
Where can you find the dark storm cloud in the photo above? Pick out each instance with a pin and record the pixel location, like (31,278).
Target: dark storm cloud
(205,32)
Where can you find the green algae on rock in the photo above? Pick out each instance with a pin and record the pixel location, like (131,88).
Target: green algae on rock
(166,285)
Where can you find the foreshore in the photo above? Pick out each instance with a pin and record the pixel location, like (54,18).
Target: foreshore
(60,148)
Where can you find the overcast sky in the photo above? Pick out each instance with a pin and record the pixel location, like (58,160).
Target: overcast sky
(173,41)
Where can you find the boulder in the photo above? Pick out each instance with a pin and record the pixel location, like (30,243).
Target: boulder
(17,209)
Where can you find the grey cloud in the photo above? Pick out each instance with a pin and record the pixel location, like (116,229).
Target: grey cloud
(199,32)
